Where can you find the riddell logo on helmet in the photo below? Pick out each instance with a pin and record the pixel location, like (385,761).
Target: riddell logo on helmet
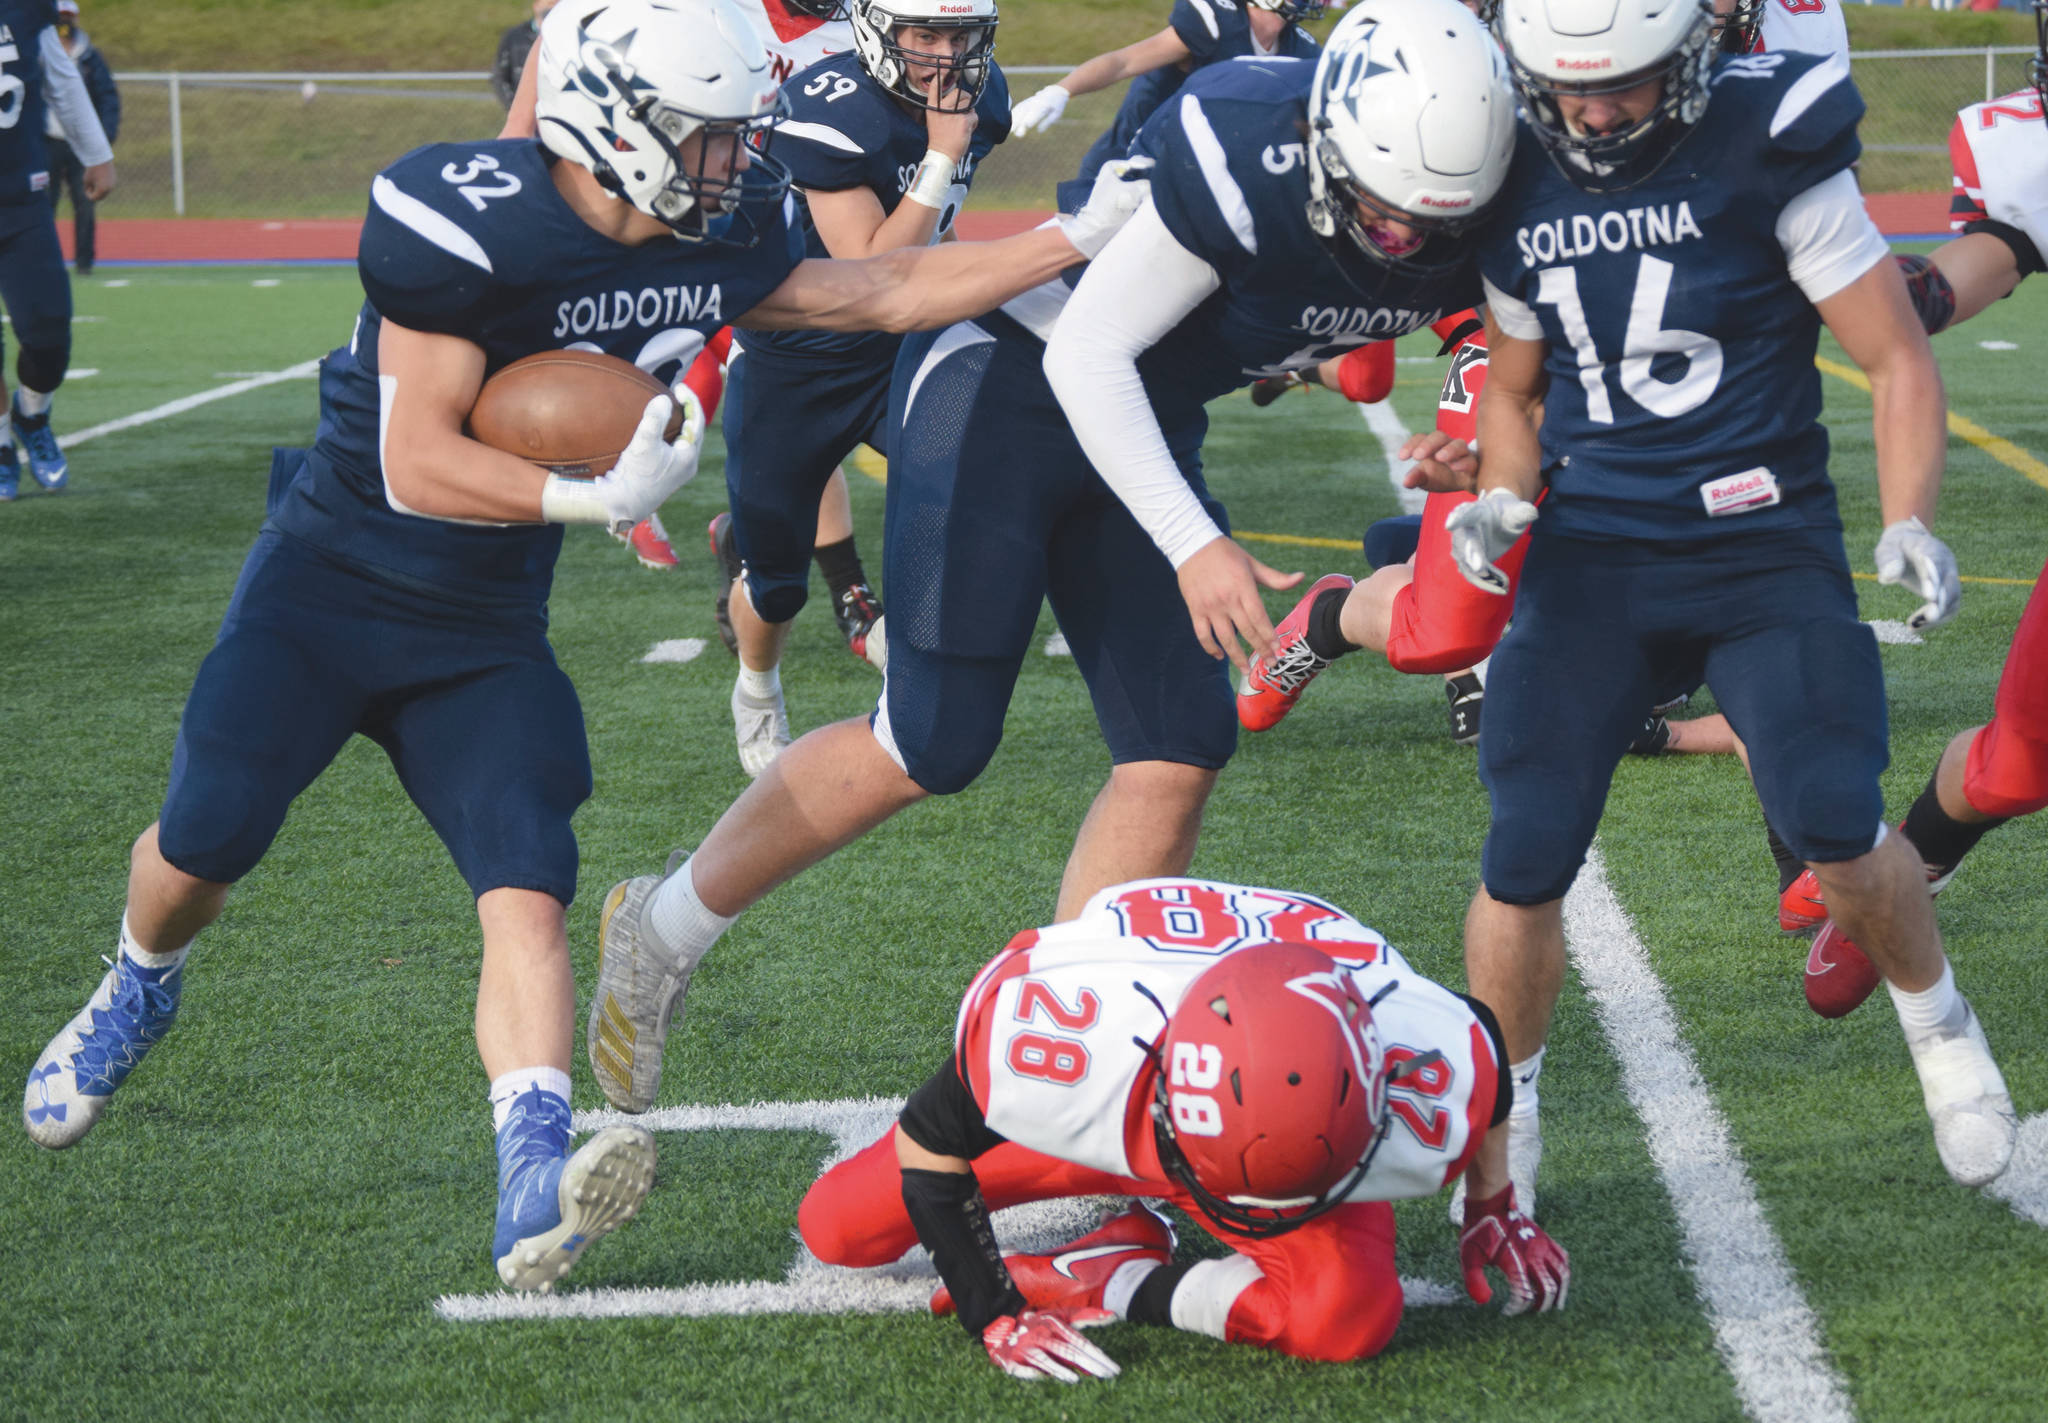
(1573,65)
(1429,202)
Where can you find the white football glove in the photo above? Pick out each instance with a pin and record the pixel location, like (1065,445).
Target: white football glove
(1484,530)
(648,471)
(1121,188)
(1910,556)
(1039,112)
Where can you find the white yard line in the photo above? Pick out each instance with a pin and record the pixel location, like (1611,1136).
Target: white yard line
(675,649)
(1387,428)
(2024,1186)
(1767,1334)
(304,370)
(809,1286)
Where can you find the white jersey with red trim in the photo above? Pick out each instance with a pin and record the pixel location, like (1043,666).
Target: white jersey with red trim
(1052,1033)
(796,40)
(2000,154)
(1811,26)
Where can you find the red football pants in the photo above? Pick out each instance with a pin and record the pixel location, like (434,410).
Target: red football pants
(2007,772)
(1442,622)
(1328,1290)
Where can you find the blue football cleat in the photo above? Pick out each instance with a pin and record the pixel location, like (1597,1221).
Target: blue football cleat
(72,1081)
(45,460)
(551,1205)
(10,473)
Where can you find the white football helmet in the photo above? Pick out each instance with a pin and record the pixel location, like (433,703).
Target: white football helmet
(624,85)
(1411,120)
(875,23)
(1589,47)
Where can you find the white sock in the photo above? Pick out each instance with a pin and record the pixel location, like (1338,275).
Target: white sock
(760,686)
(1116,1295)
(678,917)
(143,958)
(6,425)
(521,1080)
(1931,1011)
(33,402)
(1479,668)
(1525,1074)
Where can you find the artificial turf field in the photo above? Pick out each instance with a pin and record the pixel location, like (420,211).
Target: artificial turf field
(264,1221)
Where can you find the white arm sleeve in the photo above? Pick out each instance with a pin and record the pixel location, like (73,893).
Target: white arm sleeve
(65,88)
(1828,237)
(1512,314)
(1139,289)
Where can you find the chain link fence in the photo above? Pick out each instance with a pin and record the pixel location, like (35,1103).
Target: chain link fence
(287,145)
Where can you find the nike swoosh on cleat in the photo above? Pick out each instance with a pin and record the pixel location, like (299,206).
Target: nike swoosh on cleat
(1062,1261)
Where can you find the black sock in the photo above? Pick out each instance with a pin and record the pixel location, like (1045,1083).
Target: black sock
(1153,1302)
(1790,866)
(840,563)
(1941,839)
(1324,633)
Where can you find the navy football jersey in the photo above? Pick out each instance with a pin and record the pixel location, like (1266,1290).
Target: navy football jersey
(473,240)
(846,131)
(1231,185)
(1683,400)
(24,162)
(1212,30)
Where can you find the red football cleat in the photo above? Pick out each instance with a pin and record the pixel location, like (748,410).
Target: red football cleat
(1074,1275)
(1801,907)
(1272,688)
(649,542)
(1839,976)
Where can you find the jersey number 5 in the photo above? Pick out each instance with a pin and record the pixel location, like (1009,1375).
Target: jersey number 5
(1647,339)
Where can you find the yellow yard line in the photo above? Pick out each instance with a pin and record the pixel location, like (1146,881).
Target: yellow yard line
(2003,450)
(871,464)
(1303,539)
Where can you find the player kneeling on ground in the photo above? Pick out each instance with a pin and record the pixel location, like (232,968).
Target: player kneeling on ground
(399,589)
(1259,1059)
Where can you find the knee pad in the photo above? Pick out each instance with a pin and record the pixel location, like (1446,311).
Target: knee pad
(2006,774)
(43,362)
(1541,830)
(218,831)
(776,600)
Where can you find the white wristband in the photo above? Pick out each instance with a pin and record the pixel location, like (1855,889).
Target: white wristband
(934,180)
(572,501)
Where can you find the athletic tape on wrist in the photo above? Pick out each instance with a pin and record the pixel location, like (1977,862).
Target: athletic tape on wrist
(933,181)
(572,501)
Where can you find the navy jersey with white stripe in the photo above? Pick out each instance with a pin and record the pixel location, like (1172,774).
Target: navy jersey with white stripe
(1683,399)
(24,161)
(474,240)
(1213,30)
(1231,185)
(847,131)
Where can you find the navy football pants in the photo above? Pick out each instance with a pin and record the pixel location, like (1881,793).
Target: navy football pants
(37,292)
(481,725)
(788,424)
(1601,629)
(992,509)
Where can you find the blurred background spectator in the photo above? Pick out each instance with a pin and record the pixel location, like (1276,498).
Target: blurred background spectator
(512,49)
(66,171)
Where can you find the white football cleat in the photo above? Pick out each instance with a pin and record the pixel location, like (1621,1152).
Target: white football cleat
(1975,1126)
(761,729)
(1525,1154)
(639,996)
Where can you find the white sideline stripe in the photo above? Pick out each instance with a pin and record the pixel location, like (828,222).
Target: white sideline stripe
(1387,428)
(675,649)
(1896,633)
(2024,1186)
(1056,646)
(1767,1334)
(1998,345)
(301,371)
(810,1286)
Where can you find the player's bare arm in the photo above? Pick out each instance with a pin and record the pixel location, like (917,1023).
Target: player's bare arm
(1510,414)
(429,382)
(1039,112)
(520,121)
(851,221)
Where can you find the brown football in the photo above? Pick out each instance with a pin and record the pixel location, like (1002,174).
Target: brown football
(572,412)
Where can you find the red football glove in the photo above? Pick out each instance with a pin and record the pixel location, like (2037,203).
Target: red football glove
(1538,1272)
(1047,1344)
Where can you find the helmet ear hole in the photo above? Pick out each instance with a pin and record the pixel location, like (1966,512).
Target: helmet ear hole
(1220,1006)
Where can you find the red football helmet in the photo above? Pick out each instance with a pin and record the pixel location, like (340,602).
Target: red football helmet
(1272,1088)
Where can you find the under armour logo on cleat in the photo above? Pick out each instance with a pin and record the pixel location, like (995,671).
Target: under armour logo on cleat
(48,1112)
